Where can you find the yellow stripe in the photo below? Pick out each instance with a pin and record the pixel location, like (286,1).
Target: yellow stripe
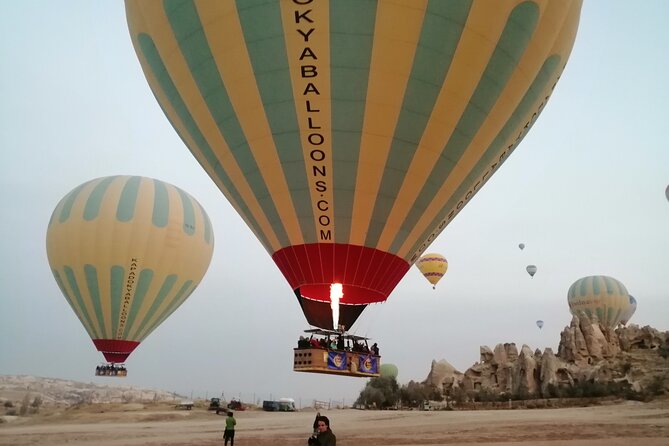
(227,43)
(397,32)
(160,30)
(477,44)
(318,41)
(538,50)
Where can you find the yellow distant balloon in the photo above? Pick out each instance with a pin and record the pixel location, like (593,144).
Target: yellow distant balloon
(433,266)
(603,296)
(126,251)
(349,134)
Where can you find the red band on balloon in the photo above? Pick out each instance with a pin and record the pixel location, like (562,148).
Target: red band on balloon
(115,350)
(368,275)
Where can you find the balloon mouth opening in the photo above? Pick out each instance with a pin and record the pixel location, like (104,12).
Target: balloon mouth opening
(115,350)
(352,295)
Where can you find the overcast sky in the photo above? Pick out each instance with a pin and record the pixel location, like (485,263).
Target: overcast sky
(585,192)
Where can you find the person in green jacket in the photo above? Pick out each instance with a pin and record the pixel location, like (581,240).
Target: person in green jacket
(229,433)
(325,436)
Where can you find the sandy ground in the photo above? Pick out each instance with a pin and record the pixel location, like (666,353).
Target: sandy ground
(627,423)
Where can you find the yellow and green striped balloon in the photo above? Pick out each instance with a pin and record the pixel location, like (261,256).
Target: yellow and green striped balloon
(601,296)
(349,133)
(126,252)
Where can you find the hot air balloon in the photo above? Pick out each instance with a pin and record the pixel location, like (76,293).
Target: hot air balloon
(433,266)
(540,324)
(629,312)
(666,192)
(349,135)
(126,251)
(601,296)
(389,370)
(521,246)
(531,270)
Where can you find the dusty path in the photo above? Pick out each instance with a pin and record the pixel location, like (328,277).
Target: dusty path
(614,425)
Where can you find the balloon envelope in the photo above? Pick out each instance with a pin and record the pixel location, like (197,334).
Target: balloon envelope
(126,252)
(540,324)
(389,370)
(348,135)
(531,270)
(433,267)
(521,246)
(600,296)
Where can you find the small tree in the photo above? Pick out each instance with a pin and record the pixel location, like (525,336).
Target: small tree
(381,392)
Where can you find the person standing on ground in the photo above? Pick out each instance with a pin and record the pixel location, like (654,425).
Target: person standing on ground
(325,436)
(229,433)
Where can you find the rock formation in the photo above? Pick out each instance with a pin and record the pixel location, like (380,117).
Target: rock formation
(588,353)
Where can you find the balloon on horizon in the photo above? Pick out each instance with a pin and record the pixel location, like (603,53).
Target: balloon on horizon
(126,252)
(531,270)
(389,370)
(349,138)
(433,266)
(521,246)
(600,296)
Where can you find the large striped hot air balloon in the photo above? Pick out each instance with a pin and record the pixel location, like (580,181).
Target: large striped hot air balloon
(348,134)
(126,251)
(602,296)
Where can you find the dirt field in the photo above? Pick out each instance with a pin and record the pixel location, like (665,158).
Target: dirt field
(623,424)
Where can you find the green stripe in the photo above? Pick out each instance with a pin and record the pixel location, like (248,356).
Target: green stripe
(351,43)
(165,289)
(441,32)
(195,49)
(125,209)
(94,200)
(165,83)
(208,234)
(72,281)
(117,281)
(143,283)
(177,300)
(94,292)
(68,202)
(189,213)
(584,286)
(503,62)
(68,298)
(161,204)
(264,36)
(598,284)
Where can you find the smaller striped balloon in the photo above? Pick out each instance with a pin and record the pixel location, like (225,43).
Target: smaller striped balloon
(433,266)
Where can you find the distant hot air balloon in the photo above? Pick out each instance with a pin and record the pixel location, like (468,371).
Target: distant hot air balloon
(602,296)
(349,137)
(126,251)
(531,270)
(540,324)
(666,192)
(389,370)
(433,266)
(521,246)
(629,312)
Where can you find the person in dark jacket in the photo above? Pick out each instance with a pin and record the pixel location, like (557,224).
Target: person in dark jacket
(325,436)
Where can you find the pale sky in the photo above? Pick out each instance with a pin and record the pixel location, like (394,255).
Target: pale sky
(585,191)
